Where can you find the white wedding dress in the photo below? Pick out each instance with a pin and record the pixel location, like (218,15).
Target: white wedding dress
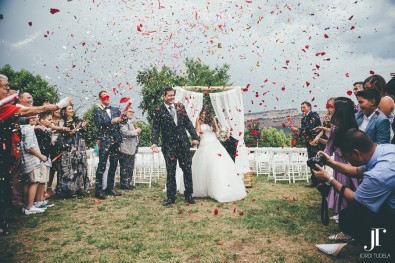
(214,173)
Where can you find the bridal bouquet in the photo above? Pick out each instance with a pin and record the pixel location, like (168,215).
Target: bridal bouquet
(223,134)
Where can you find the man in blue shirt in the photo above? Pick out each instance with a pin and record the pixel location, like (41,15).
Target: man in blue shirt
(372,205)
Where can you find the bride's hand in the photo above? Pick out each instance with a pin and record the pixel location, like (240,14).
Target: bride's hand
(195,142)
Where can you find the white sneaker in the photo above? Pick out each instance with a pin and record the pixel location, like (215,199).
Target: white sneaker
(27,212)
(37,210)
(39,205)
(45,202)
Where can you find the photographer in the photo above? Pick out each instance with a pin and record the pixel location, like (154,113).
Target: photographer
(372,205)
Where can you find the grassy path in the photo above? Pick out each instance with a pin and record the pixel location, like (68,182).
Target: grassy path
(275,223)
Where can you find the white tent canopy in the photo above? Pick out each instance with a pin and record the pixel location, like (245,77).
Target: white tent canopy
(229,109)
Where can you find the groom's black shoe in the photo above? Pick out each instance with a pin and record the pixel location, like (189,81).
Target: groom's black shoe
(168,202)
(190,200)
(100,195)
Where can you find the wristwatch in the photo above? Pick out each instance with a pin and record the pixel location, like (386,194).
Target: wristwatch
(330,180)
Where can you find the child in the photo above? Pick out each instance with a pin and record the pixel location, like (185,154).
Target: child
(31,158)
(44,136)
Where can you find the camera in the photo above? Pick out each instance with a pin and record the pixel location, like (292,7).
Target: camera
(320,160)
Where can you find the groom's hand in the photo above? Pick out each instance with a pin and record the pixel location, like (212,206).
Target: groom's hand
(195,142)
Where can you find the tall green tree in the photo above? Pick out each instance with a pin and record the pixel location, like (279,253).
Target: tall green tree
(25,81)
(272,137)
(153,80)
(91,134)
(196,74)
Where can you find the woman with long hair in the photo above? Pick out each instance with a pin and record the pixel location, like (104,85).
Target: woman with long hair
(342,120)
(214,173)
(322,137)
(73,177)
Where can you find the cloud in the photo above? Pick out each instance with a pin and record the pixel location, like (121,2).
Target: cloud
(26,41)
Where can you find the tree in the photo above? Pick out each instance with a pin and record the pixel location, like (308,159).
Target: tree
(272,137)
(145,135)
(153,81)
(252,135)
(196,74)
(25,81)
(91,134)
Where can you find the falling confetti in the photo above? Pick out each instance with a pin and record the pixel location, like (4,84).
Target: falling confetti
(54,10)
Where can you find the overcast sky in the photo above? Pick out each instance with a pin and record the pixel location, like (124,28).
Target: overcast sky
(287,51)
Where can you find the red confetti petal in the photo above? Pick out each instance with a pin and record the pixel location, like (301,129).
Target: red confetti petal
(307,83)
(352,28)
(246,88)
(215,211)
(206,92)
(347,75)
(254,212)
(283,125)
(30,23)
(293,143)
(326,36)
(180,211)
(219,155)
(219,243)
(371,72)
(124,99)
(241,213)
(349,92)
(54,10)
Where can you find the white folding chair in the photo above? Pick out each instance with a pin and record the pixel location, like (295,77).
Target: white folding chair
(280,166)
(298,168)
(263,158)
(143,168)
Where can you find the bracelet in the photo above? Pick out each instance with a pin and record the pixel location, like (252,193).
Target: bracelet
(343,189)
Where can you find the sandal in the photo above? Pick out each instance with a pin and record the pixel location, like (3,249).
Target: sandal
(341,237)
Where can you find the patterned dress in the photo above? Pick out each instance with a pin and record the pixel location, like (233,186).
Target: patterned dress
(352,183)
(73,177)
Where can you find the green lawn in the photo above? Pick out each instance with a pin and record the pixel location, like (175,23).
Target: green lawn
(275,223)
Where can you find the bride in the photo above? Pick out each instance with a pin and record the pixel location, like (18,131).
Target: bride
(214,173)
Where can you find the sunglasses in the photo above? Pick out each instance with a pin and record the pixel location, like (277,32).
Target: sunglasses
(328,106)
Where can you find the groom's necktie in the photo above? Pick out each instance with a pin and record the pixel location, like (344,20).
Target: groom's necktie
(172,113)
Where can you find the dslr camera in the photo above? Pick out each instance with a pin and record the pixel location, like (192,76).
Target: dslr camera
(320,160)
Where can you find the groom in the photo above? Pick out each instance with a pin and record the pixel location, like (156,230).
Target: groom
(172,121)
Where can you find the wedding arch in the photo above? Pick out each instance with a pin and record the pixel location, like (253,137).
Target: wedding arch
(229,109)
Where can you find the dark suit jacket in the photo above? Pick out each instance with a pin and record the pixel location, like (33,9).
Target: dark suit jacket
(173,136)
(308,123)
(108,133)
(378,128)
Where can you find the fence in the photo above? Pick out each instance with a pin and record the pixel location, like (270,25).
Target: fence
(279,164)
